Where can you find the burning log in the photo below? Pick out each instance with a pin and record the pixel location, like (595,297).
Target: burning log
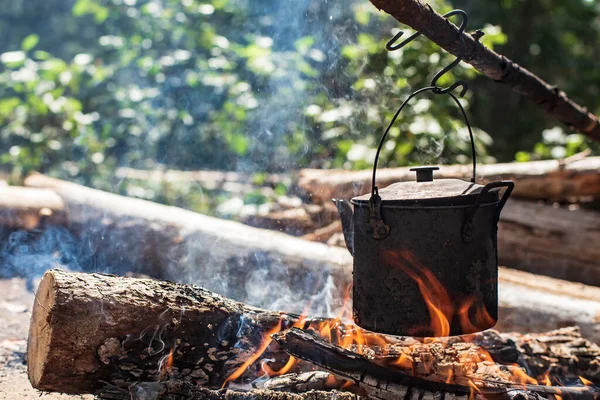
(92,328)
(89,328)
(382,382)
(132,235)
(538,180)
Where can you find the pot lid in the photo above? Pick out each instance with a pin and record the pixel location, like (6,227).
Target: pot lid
(425,191)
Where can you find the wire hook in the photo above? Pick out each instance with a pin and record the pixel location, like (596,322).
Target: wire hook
(392,46)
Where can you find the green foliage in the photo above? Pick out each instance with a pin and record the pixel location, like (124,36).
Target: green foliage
(264,85)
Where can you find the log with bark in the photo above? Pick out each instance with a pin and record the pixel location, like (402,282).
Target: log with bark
(89,329)
(421,17)
(383,382)
(29,208)
(120,235)
(552,180)
(554,241)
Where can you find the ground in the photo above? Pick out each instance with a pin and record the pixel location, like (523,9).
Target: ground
(15,311)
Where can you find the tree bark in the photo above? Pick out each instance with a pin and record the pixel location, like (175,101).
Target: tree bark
(556,242)
(121,235)
(538,180)
(87,329)
(421,17)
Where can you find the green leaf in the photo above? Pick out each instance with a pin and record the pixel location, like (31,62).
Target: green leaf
(30,42)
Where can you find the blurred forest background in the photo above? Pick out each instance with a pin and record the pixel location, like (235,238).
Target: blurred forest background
(262,86)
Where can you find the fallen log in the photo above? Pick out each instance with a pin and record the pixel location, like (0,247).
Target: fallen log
(552,241)
(181,390)
(88,328)
(551,180)
(29,208)
(260,267)
(382,382)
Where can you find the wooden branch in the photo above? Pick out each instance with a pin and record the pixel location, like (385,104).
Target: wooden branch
(421,17)
(550,180)
(182,390)
(132,235)
(87,329)
(388,383)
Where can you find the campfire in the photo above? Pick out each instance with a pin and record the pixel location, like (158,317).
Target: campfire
(122,336)
(417,309)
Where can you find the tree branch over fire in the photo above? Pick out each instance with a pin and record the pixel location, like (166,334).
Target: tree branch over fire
(421,17)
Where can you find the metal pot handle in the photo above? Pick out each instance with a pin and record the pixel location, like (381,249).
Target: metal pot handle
(467,229)
(436,90)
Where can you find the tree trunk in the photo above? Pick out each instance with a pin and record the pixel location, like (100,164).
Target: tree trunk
(538,180)
(260,267)
(421,17)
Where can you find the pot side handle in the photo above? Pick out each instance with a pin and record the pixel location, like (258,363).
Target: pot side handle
(467,230)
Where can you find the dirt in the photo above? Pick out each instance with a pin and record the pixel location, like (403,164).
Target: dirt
(15,311)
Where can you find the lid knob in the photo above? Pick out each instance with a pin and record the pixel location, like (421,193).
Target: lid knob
(425,174)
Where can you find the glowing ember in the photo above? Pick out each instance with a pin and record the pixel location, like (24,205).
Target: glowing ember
(165,364)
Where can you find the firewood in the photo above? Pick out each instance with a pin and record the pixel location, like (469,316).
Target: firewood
(29,208)
(133,235)
(182,390)
(536,180)
(381,382)
(303,382)
(88,328)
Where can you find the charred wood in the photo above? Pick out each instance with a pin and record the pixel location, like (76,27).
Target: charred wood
(387,383)
(88,328)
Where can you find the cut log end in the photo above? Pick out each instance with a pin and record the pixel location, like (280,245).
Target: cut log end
(41,330)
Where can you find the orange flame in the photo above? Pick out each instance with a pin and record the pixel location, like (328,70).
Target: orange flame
(266,341)
(165,366)
(435,295)
(341,331)
(585,381)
